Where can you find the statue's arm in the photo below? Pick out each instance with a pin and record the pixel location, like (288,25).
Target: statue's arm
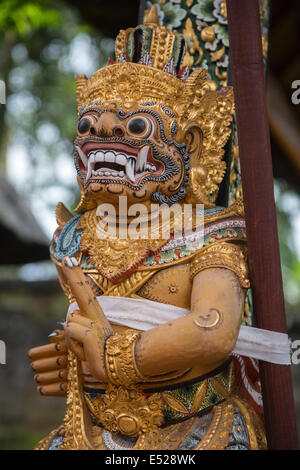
(205,336)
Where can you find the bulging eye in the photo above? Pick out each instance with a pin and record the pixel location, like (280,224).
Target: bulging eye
(140,126)
(84,125)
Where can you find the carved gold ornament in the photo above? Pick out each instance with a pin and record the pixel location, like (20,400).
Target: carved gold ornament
(208,34)
(128,412)
(223,9)
(217,54)
(191,37)
(120,362)
(113,256)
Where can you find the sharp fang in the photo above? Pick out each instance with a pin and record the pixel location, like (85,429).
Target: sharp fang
(82,156)
(88,173)
(142,158)
(91,164)
(130,169)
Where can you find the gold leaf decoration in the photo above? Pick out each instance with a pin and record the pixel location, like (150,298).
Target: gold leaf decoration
(219,387)
(199,397)
(191,38)
(174,403)
(217,54)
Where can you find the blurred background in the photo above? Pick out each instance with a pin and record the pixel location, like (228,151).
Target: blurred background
(43,44)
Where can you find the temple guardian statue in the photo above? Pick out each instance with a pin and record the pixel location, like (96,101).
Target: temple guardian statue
(151,354)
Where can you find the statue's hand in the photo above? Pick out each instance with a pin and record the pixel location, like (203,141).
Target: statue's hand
(49,364)
(86,338)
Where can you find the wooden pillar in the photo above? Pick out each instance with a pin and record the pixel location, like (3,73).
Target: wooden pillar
(248,81)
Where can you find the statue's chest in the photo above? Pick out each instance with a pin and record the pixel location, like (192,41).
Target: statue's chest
(170,285)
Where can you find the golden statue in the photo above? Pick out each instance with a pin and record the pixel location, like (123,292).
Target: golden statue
(145,357)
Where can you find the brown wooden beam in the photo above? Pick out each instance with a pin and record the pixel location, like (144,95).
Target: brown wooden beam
(257,180)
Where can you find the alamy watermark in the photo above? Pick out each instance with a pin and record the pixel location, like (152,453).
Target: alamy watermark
(296,94)
(295,352)
(2,352)
(160,221)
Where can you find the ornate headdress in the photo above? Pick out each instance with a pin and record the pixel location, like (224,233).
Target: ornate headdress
(150,68)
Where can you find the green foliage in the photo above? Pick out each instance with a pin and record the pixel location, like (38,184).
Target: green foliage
(16,438)
(20,17)
(288,210)
(41,112)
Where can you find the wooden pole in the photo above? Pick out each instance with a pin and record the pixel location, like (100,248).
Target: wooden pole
(245,45)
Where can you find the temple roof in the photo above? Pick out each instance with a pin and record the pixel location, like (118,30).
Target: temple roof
(22,240)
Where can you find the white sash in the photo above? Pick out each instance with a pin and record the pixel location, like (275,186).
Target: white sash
(144,314)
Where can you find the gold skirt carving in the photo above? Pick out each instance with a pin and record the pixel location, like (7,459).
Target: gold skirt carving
(80,434)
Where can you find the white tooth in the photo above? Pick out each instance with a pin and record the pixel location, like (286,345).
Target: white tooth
(91,158)
(121,159)
(130,165)
(94,173)
(89,172)
(114,173)
(121,173)
(99,157)
(107,173)
(150,167)
(109,157)
(142,158)
(82,156)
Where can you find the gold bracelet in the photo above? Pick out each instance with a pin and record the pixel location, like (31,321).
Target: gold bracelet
(120,362)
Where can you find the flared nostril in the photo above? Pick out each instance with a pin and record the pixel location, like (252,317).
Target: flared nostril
(118,131)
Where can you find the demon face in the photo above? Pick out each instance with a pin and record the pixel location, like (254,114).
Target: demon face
(129,149)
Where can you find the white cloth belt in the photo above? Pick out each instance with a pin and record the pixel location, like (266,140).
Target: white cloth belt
(144,314)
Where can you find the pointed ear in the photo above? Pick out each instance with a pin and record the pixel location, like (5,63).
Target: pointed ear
(193,138)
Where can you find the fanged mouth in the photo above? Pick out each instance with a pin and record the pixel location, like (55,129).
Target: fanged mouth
(116,161)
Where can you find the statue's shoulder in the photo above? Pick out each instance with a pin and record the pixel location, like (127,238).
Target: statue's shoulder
(224,243)
(66,238)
